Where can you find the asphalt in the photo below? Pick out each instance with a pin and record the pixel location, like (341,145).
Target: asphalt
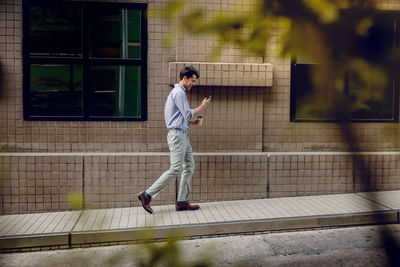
(345,246)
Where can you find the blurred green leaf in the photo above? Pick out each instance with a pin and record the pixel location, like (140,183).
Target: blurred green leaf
(75,201)
(364,25)
(325,10)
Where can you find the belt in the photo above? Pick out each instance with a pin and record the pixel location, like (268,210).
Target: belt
(179,130)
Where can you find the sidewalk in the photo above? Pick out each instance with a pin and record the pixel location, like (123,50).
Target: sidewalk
(57,230)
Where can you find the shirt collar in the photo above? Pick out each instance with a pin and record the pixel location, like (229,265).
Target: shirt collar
(180,86)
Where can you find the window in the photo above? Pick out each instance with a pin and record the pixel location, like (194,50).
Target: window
(84,60)
(382,37)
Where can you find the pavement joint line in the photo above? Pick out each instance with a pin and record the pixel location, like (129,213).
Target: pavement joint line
(72,228)
(69,240)
(77,220)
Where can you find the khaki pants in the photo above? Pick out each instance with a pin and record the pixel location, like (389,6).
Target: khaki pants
(181,158)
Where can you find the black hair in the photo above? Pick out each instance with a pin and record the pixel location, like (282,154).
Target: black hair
(189,71)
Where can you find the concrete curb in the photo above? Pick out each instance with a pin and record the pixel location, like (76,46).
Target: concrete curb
(29,241)
(235,227)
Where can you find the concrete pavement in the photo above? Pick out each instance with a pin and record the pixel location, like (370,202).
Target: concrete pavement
(72,229)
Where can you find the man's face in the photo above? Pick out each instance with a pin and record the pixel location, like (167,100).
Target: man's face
(188,83)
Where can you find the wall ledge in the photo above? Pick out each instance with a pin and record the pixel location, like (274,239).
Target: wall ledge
(226,74)
(227,153)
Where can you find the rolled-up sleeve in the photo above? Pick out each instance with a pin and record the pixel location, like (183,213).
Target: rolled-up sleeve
(183,105)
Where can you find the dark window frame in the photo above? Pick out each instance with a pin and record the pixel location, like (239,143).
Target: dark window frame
(85,60)
(395,84)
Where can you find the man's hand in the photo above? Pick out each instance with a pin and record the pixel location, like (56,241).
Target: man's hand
(206,101)
(204,104)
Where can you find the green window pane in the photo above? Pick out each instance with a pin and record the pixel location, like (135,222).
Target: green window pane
(133,25)
(134,34)
(55,31)
(63,42)
(114,33)
(377,102)
(134,51)
(56,90)
(369,100)
(309,104)
(115,91)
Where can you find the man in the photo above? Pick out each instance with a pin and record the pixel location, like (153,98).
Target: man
(178,116)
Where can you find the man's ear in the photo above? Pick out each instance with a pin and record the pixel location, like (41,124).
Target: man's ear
(185,79)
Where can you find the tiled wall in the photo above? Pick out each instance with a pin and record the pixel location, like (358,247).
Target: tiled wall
(37,183)
(34,183)
(274,131)
(297,175)
(384,172)
(232,123)
(41,183)
(226,74)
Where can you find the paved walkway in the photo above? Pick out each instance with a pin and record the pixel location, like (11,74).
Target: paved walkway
(112,226)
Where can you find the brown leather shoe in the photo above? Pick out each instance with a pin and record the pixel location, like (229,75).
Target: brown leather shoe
(145,202)
(186,206)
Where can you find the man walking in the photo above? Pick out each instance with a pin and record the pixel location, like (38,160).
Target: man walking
(178,116)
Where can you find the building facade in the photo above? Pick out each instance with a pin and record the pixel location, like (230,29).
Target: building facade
(83,87)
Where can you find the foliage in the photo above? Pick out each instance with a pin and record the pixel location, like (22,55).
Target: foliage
(342,36)
(75,201)
(167,254)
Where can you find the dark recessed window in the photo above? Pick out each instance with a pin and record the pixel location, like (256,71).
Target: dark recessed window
(304,107)
(84,61)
